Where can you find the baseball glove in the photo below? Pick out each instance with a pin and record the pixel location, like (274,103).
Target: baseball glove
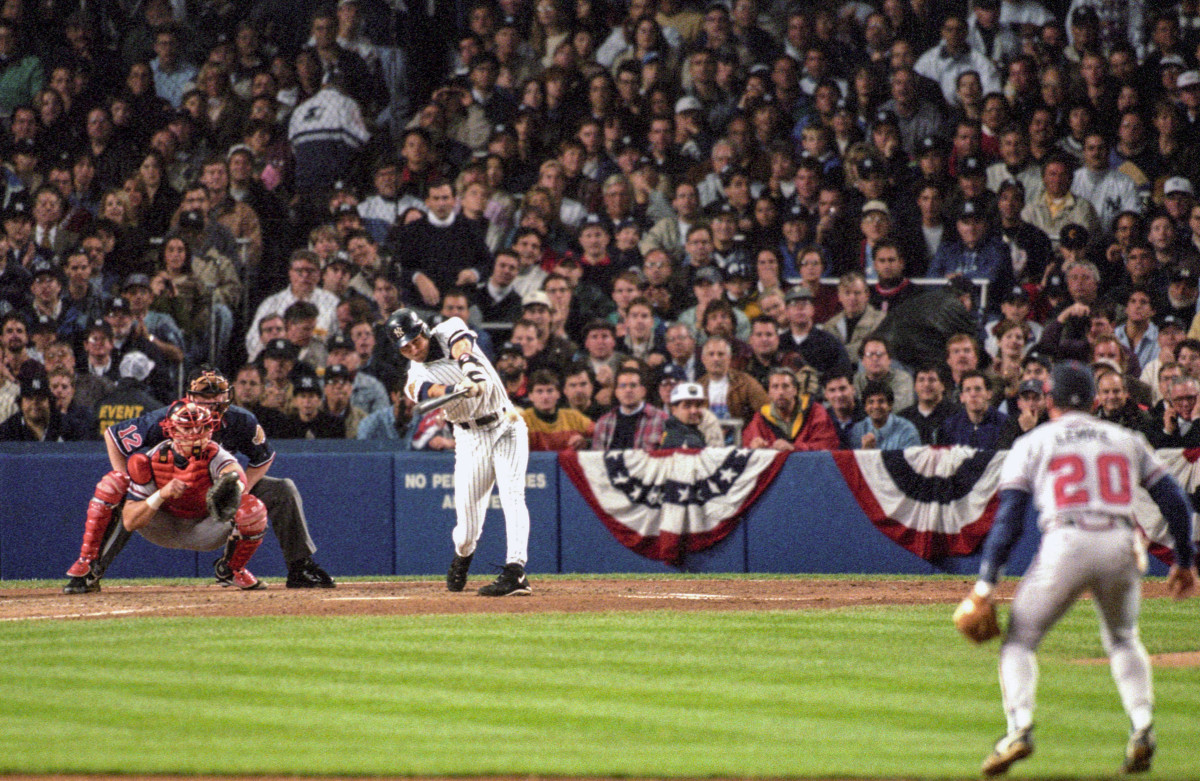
(224,497)
(975,617)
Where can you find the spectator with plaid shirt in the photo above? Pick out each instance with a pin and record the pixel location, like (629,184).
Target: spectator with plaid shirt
(632,424)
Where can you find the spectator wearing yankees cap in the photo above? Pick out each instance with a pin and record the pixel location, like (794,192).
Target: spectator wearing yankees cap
(37,419)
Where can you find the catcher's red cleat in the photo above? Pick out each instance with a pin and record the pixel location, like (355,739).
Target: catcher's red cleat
(242,578)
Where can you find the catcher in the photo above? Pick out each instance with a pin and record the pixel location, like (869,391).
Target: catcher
(235,428)
(189,492)
(1080,473)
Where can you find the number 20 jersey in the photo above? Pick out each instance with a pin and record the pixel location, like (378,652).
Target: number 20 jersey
(1079,466)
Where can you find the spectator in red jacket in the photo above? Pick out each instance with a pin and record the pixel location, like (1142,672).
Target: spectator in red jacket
(791,420)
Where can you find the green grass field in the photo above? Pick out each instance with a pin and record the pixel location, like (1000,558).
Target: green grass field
(862,692)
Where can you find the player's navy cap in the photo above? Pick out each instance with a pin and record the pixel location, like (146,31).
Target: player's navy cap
(136,280)
(972,166)
(338,372)
(1169,321)
(35,386)
(118,304)
(339,342)
(1071,385)
(798,293)
(673,373)
(281,348)
(306,384)
(1073,236)
(1032,386)
(709,275)
(687,391)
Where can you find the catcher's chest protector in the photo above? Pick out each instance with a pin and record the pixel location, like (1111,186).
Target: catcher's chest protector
(167,465)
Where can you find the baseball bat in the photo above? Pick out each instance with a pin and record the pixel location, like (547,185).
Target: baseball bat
(432,404)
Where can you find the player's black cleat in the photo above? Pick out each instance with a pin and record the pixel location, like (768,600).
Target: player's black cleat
(82,584)
(1139,752)
(306,574)
(511,582)
(456,578)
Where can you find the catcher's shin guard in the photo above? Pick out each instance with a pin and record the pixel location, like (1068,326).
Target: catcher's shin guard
(109,493)
(251,523)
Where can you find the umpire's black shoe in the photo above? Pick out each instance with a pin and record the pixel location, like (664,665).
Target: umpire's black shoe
(306,574)
(82,584)
(456,578)
(511,582)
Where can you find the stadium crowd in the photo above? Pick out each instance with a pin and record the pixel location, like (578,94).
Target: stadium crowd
(798,225)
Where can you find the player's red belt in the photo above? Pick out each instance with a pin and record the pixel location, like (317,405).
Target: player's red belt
(483,422)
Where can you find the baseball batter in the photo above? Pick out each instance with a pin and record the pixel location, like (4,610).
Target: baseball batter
(491,443)
(1080,473)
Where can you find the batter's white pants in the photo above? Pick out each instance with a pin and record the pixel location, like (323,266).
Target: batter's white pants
(483,458)
(1069,562)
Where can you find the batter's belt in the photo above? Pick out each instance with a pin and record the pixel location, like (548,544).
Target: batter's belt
(1091,523)
(478,423)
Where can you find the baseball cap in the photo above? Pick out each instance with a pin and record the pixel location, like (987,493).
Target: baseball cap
(971,209)
(1178,184)
(1188,79)
(43,268)
(798,293)
(1032,386)
(118,304)
(192,219)
(136,280)
(338,372)
(281,348)
(869,166)
(972,166)
(1016,293)
(708,275)
(1171,61)
(876,206)
(673,373)
(797,212)
(1072,385)
(687,103)
(101,326)
(35,386)
(136,364)
(339,342)
(18,209)
(1169,321)
(340,258)
(535,298)
(345,209)
(1038,358)
(886,117)
(596,221)
(687,391)
(1073,236)
(508,348)
(962,284)
(929,144)
(306,384)
(1183,274)
(1055,286)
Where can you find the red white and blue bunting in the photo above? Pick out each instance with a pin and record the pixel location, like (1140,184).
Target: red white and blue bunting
(665,504)
(934,502)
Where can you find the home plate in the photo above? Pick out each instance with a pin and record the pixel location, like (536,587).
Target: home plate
(678,596)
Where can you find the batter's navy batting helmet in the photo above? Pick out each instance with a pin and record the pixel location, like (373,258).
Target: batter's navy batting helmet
(405,325)
(1072,385)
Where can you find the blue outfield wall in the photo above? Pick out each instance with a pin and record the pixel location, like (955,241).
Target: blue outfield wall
(379,512)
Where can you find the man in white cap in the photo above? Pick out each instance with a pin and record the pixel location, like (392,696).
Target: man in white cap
(688,402)
(131,398)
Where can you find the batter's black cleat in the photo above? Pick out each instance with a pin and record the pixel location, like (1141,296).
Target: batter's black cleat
(306,574)
(1139,751)
(456,578)
(82,584)
(1011,748)
(511,582)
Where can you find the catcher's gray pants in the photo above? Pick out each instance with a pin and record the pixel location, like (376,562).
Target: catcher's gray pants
(285,510)
(170,531)
(1070,561)
(482,458)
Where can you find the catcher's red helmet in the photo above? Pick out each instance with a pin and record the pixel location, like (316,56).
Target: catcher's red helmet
(189,423)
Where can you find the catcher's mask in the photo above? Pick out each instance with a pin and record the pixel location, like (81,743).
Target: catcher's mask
(189,425)
(210,389)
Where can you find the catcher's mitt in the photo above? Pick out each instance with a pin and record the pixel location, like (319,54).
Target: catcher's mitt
(224,497)
(975,617)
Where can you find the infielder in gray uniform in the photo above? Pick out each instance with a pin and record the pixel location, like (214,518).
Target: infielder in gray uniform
(1080,473)
(491,443)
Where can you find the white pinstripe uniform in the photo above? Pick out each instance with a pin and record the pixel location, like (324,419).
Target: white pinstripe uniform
(496,452)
